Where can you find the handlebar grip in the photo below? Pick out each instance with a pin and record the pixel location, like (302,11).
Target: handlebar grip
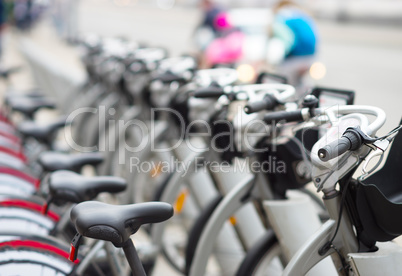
(168,77)
(209,92)
(334,149)
(287,116)
(267,103)
(262,75)
(350,140)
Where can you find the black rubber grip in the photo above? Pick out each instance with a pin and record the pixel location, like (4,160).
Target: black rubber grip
(209,92)
(267,103)
(354,137)
(274,78)
(168,77)
(334,149)
(284,116)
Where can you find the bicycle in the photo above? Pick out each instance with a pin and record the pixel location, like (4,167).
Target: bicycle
(206,200)
(44,255)
(357,145)
(288,150)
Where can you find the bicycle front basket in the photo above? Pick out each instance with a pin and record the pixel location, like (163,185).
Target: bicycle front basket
(379,198)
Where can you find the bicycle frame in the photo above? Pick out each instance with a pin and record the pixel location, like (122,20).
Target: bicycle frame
(372,263)
(203,192)
(237,199)
(117,263)
(231,203)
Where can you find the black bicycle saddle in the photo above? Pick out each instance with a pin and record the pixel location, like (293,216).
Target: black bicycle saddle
(115,223)
(73,187)
(29,105)
(54,161)
(42,133)
(13,95)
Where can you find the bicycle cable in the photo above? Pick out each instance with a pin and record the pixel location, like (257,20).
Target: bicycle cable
(324,249)
(394,131)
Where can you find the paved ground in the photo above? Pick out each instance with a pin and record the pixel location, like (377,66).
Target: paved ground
(11,57)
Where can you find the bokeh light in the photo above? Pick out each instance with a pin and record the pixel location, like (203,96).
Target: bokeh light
(245,72)
(318,70)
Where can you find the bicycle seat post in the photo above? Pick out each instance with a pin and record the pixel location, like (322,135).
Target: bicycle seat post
(133,259)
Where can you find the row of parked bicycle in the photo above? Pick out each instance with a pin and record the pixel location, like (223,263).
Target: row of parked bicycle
(215,169)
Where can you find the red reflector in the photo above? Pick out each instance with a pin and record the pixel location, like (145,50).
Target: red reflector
(44,209)
(75,243)
(72,255)
(37,183)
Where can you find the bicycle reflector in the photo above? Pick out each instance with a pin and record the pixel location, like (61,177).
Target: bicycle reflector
(75,244)
(45,207)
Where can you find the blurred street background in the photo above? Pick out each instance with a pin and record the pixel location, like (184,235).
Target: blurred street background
(360,42)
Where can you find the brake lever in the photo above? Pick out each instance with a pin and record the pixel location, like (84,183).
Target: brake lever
(379,147)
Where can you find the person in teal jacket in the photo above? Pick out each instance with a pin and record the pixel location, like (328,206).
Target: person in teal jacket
(293,34)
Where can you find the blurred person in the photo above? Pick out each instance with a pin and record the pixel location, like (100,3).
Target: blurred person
(210,10)
(28,12)
(227,47)
(22,14)
(293,41)
(218,41)
(206,31)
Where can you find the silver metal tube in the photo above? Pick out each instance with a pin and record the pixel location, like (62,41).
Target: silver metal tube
(86,261)
(346,234)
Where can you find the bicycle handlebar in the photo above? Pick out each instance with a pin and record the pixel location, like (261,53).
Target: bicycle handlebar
(267,103)
(150,54)
(209,92)
(334,149)
(350,140)
(271,99)
(363,109)
(168,77)
(177,65)
(261,76)
(287,116)
(280,91)
(222,76)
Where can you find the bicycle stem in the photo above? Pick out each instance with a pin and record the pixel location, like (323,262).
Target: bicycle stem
(345,236)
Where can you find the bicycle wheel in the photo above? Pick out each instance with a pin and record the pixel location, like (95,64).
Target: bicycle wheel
(196,231)
(176,236)
(33,256)
(265,258)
